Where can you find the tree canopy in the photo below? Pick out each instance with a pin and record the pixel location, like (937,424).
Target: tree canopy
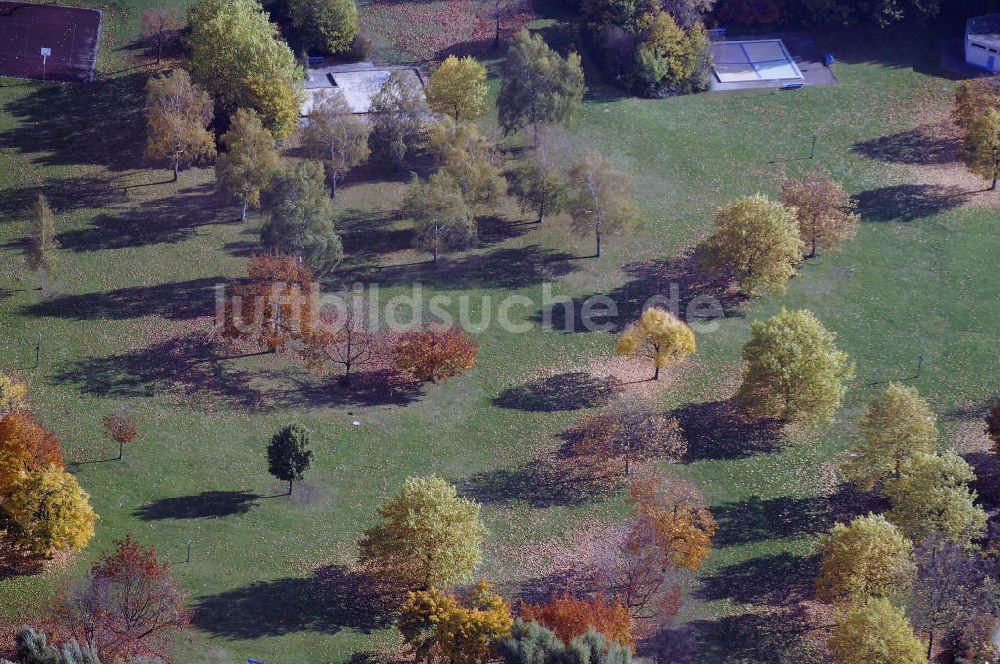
(178,114)
(335,136)
(874,631)
(868,557)
(300,217)
(458,89)
(600,199)
(249,162)
(428,535)
(540,86)
(288,454)
(439,211)
(52,512)
(328,26)
(659,336)
(757,242)
(824,210)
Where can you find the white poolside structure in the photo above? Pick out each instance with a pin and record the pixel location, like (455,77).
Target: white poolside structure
(358,83)
(754,60)
(982,42)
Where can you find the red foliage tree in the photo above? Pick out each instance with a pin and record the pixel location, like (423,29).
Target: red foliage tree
(128,604)
(275,305)
(26,445)
(121,429)
(340,340)
(570,617)
(436,354)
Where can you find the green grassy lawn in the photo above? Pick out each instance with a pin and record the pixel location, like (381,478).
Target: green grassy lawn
(140,258)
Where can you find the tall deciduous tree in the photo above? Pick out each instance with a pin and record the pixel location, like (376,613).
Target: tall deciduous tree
(757,242)
(25,447)
(41,246)
(471,160)
(341,340)
(896,424)
(51,510)
(439,211)
(793,370)
(659,336)
(328,26)
(539,182)
(951,588)
(435,354)
(399,116)
(972,98)
(276,305)
(300,217)
(600,199)
(874,631)
(238,55)
(428,535)
(158,27)
(981,147)
(626,435)
(288,454)
(335,136)
(247,166)
(641,573)
(178,114)
(868,557)
(824,210)
(931,496)
(128,601)
(682,521)
(540,86)
(458,89)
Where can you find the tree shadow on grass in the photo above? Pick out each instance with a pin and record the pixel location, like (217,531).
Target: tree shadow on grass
(907,202)
(165,220)
(920,146)
(718,430)
(505,267)
(544,482)
(567,391)
(183,300)
(376,387)
(102,123)
(208,504)
(335,598)
(777,580)
(772,637)
(678,283)
(756,519)
(183,366)
(66,195)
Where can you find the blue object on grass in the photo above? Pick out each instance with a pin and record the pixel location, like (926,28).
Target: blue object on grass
(254,661)
(829,59)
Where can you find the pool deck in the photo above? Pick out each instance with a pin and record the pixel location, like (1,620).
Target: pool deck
(804,53)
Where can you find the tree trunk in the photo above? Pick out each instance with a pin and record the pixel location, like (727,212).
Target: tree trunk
(656,373)
(121,450)
(347,374)
(993,187)
(177,167)
(541,211)
(598,235)
(290,487)
(334,190)
(159,48)
(41,279)
(436,252)
(244,218)
(930,643)
(496,36)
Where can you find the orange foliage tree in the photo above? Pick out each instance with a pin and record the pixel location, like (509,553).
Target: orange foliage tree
(275,305)
(121,429)
(129,604)
(340,339)
(642,576)
(436,354)
(570,617)
(682,523)
(25,446)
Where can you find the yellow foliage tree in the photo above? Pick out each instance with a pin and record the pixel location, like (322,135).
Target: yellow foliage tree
(178,114)
(793,369)
(756,241)
(897,424)
(868,557)
(659,336)
(429,535)
(51,511)
(683,524)
(458,88)
(13,394)
(873,631)
(436,624)
(981,147)
(931,495)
